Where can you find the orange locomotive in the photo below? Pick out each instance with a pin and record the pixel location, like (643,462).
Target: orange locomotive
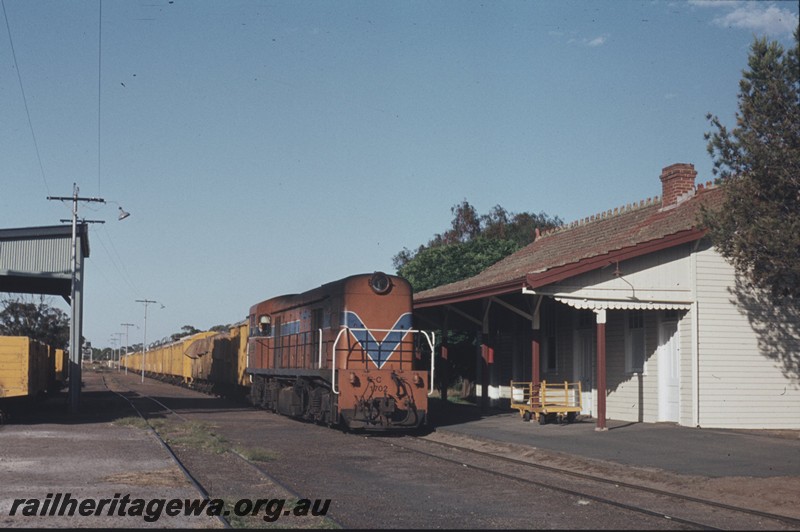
(344,353)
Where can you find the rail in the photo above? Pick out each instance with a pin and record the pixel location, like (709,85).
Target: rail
(429,336)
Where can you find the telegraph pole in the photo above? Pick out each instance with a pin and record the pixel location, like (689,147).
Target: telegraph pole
(144,343)
(126,325)
(76,302)
(118,338)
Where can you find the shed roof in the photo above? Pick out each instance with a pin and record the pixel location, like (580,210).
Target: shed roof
(38,260)
(582,246)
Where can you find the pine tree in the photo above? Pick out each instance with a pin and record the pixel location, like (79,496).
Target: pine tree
(758,164)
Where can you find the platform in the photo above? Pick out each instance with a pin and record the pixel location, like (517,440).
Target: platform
(667,446)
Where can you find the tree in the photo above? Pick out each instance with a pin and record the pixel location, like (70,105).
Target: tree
(472,244)
(440,265)
(758,164)
(38,321)
(186,330)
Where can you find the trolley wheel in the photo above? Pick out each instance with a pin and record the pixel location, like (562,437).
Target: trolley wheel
(526,416)
(570,417)
(542,419)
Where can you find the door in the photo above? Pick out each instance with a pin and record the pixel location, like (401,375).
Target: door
(585,354)
(668,371)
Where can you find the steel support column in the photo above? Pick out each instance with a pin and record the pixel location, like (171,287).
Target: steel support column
(601,370)
(536,342)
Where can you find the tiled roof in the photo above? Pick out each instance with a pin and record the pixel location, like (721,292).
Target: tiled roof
(595,236)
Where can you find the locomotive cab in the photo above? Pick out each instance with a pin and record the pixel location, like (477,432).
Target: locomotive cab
(264,325)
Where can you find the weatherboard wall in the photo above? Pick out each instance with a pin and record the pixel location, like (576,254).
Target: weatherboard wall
(748,351)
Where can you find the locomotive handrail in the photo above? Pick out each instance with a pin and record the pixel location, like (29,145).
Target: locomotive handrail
(333,361)
(319,361)
(431,340)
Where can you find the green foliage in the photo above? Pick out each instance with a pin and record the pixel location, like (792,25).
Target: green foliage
(440,265)
(758,162)
(38,321)
(473,243)
(186,330)
(193,434)
(257,454)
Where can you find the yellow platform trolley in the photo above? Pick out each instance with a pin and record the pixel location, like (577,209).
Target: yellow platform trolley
(543,401)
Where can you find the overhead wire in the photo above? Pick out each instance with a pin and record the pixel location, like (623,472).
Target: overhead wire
(116,259)
(99,87)
(24,98)
(118,263)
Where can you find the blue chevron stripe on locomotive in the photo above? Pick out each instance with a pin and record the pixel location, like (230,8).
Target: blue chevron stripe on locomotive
(378,352)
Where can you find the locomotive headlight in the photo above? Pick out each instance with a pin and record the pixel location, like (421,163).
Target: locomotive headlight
(380,283)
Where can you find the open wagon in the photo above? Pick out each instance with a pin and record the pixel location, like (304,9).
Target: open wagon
(543,400)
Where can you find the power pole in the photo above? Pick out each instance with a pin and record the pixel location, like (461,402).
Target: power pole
(117,338)
(76,302)
(144,343)
(126,325)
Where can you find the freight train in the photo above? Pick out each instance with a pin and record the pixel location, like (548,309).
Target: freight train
(28,369)
(343,354)
(211,361)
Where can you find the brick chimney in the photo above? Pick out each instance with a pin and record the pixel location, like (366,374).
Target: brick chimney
(676,180)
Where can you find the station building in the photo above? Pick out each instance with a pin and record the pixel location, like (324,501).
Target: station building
(637,305)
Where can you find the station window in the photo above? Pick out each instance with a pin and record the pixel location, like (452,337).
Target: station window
(586,319)
(634,341)
(549,350)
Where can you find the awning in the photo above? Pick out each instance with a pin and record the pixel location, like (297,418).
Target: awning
(611,304)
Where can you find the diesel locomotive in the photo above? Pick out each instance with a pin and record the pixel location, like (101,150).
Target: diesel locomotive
(343,354)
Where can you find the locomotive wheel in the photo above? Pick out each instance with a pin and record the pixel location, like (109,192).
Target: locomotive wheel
(542,419)
(526,416)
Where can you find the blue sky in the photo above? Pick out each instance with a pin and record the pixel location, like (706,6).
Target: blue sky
(265,148)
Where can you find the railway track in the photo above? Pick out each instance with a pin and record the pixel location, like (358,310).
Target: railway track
(133,396)
(681,509)
(641,502)
(195,483)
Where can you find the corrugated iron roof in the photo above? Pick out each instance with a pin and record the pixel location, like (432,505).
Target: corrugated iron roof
(39,259)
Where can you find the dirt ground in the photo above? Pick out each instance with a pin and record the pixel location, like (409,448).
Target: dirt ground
(777,494)
(95,455)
